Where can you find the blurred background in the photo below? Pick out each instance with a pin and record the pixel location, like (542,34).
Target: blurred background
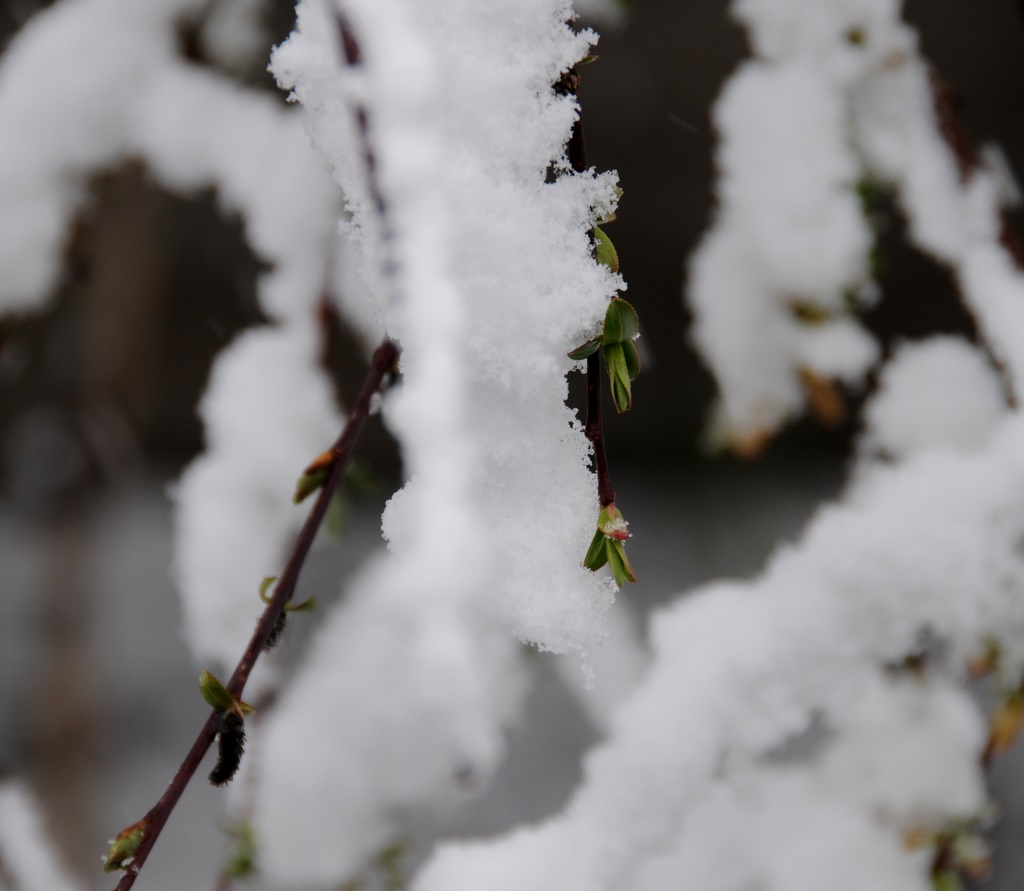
(97,417)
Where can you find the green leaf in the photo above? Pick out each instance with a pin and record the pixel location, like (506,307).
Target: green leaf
(605,250)
(215,693)
(618,562)
(264,587)
(307,606)
(597,554)
(588,349)
(632,356)
(620,322)
(614,360)
(122,849)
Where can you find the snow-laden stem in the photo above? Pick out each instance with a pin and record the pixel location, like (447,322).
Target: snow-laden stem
(958,139)
(384,360)
(576,150)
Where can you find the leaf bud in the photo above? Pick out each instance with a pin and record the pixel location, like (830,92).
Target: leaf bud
(122,849)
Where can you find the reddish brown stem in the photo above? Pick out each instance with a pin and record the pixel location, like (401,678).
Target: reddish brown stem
(384,360)
(594,430)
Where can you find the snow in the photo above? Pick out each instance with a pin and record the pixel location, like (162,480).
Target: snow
(483,273)
(789,233)
(507,241)
(122,91)
(27,856)
(937,393)
(268,410)
(738,669)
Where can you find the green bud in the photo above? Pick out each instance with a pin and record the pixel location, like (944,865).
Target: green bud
(607,545)
(620,322)
(314,476)
(308,484)
(605,250)
(588,349)
(218,697)
(122,849)
(215,693)
(611,522)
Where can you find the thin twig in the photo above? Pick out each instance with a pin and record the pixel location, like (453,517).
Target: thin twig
(383,363)
(594,430)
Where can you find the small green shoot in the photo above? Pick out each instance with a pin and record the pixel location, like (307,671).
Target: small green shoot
(608,546)
(122,848)
(218,697)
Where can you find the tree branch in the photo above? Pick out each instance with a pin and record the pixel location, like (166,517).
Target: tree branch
(384,359)
(335,460)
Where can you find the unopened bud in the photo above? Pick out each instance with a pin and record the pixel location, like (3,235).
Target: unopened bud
(122,849)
